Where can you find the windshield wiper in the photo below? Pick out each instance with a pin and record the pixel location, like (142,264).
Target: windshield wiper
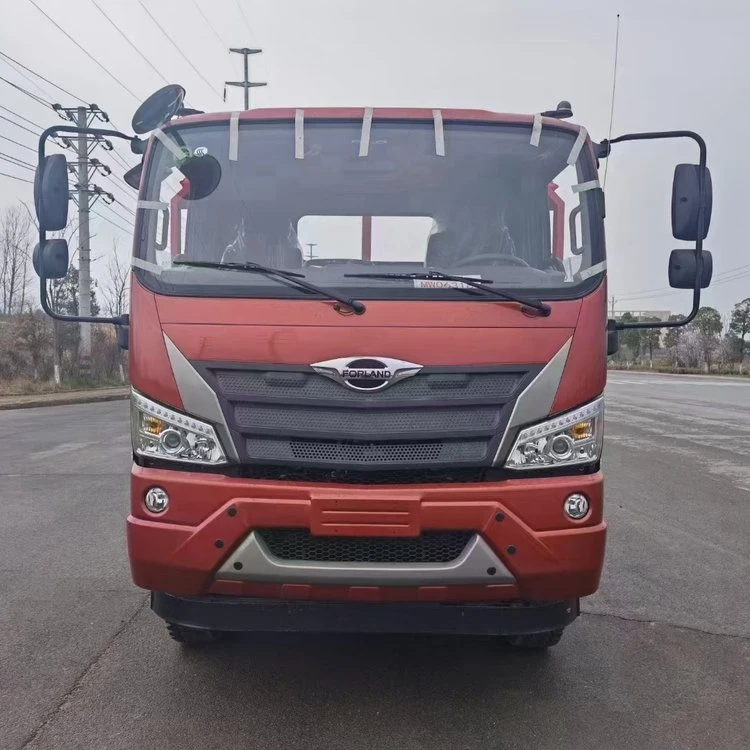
(277,274)
(535,304)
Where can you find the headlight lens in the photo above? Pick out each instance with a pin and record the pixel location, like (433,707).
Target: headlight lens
(160,432)
(566,440)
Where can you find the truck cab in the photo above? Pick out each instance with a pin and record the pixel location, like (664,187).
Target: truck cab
(368,355)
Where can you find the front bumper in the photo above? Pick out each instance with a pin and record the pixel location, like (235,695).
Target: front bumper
(232,613)
(547,556)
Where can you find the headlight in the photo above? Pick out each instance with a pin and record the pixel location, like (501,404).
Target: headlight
(566,440)
(160,432)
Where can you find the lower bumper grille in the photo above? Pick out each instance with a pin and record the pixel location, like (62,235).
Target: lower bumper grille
(301,545)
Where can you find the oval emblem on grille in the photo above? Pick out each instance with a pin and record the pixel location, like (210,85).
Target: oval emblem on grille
(366,373)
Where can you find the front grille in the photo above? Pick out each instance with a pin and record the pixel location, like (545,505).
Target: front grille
(420,475)
(301,545)
(309,386)
(366,454)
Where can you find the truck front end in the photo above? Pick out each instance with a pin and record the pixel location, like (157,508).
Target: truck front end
(368,356)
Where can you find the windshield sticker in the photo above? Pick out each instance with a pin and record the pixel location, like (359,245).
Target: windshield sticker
(200,151)
(444,283)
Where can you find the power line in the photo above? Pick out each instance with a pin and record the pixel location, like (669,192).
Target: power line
(171,41)
(18,143)
(209,24)
(23,127)
(85,51)
(14,177)
(16,161)
(23,75)
(21,117)
(39,75)
(28,93)
(244,18)
(114,224)
(127,39)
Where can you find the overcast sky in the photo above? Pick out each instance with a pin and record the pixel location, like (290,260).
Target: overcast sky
(682,64)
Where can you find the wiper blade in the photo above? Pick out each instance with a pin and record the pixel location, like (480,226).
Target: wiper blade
(277,274)
(481,284)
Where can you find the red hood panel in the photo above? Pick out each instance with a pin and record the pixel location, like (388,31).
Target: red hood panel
(302,332)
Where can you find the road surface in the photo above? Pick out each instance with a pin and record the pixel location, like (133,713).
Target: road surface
(661,657)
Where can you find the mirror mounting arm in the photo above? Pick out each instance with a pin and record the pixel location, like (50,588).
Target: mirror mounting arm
(603,150)
(118,320)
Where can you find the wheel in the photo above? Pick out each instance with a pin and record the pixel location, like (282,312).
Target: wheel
(192,637)
(536,641)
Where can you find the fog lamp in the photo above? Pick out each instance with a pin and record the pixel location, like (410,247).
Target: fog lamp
(156,500)
(576,506)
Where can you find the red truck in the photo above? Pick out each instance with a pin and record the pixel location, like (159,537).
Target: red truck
(368,354)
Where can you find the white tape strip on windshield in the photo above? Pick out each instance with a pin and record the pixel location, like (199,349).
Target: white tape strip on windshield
(160,135)
(584,186)
(155,205)
(437,117)
(146,265)
(364,139)
(577,146)
(536,130)
(587,273)
(299,134)
(234,136)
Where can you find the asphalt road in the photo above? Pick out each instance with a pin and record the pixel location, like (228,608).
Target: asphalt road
(660,659)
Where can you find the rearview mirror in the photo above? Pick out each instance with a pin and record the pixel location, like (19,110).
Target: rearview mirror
(52,259)
(51,193)
(203,174)
(159,108)
(683,269)
(687,203)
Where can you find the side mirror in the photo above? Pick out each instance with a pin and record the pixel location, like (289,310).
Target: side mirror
(159,108)
(683,268)
(687,202)
(52,259)
(51,193)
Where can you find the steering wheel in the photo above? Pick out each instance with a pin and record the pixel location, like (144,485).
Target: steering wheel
(493,259)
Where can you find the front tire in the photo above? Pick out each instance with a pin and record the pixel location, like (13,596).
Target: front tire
(535,641)
(192,637)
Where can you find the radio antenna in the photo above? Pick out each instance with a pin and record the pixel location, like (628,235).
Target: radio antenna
(614,90)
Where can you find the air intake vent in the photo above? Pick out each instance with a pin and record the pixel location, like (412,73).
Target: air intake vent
(301,545)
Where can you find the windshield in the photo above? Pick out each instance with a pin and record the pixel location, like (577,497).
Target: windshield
(328,199)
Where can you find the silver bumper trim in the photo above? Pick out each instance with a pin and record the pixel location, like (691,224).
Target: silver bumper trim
(477,564)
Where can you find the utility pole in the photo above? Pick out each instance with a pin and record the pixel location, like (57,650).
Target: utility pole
(85,195)
(245,84)
(311,245)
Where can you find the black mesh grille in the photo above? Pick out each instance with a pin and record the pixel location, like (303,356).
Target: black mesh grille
(257,384)
(365,423)
(366,454)
(430,547)
(421,475)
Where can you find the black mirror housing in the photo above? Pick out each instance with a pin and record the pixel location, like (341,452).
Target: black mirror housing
(159,108)
(683,269)
(51,198)
(687,203)
(52,259)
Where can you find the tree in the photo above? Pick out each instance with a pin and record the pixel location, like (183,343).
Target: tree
(651,339)
(739,325)
(672,339)
(707,324)
(115,292)
(15,247)
(632,338)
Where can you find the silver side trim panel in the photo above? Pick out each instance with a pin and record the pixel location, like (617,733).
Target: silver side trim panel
(258,564)
(197,396)
(535,401)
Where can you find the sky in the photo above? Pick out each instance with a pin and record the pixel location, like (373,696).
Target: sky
(682,65)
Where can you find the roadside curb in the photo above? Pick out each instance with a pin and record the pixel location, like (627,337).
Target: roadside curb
(61,399)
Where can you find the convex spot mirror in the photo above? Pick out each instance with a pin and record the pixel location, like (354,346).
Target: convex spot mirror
(687,203)
(203,174)
(159,108)
(52,259)
(683,269)
(51,193)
